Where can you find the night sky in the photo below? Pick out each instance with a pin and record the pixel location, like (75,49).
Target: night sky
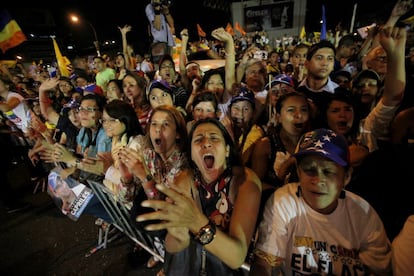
(107,17)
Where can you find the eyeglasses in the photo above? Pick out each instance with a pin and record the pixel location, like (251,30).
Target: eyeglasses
(369,84)
(215,83)
(64,85)
(87,109)
(166,66)
(109,121)
(382,59)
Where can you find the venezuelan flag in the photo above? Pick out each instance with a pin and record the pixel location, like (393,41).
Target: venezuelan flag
(10,33)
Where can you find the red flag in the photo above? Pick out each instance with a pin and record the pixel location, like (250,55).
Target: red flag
(10,33)
(229,29)
(239,29)
(200,31)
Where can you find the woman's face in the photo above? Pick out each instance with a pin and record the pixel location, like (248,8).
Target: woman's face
(120,61)
(159,97)
(367,89)
(74,117)
(113,127)
(89,114)
(204,110)
(65,87)
(241,113)
(113,92)
(209,151)
(215,84)
(294,115)
(340,117)
(163,133)
(278,90)
(131,88)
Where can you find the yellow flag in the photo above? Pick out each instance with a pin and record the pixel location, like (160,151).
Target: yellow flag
(62,61)
(302,33)
(409,20)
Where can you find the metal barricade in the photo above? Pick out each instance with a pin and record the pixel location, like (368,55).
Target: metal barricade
(121,220)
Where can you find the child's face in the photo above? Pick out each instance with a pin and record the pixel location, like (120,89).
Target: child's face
(159,97)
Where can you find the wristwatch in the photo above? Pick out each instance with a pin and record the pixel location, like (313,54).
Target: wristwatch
(206,234)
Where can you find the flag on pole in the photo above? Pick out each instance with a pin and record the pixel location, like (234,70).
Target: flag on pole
(62,61)
(10,33)
(200,31)
(323,29)
(302,33)
(239,29)
(409,20)
(229,29)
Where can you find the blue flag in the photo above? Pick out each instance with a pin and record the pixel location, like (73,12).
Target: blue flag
(323,29)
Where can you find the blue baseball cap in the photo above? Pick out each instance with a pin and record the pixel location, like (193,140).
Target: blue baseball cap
(243,94)
(325,143)
(281,78)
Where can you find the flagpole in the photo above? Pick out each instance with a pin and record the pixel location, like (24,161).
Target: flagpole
(351,29)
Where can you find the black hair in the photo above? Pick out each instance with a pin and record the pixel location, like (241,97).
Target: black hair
(215,71)
(125,113)
(100,100)
(234,158)
(315,47)
(206,96)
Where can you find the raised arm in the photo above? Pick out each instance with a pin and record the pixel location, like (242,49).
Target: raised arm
(393,40)
(124,30)
(183,58)
(230,63)
(46,107)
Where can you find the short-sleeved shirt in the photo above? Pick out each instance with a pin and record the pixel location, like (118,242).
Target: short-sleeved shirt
(340,243)
(98,142)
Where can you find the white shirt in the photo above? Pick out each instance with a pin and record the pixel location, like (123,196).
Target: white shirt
(334,244)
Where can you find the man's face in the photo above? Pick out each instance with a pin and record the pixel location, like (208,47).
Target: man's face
(321,182)
(321,64)
(167,71)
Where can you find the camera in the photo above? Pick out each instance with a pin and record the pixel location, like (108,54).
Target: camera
(262,55)
(166,3)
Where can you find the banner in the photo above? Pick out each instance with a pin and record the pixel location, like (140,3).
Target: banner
(269,17)
(10,33)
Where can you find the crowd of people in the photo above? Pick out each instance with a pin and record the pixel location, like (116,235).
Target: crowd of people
(296,164)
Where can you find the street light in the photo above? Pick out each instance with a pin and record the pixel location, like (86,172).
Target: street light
(76,19)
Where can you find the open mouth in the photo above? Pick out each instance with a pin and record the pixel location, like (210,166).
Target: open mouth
(342,124)
(157,141)
(208,160)
(299,125)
